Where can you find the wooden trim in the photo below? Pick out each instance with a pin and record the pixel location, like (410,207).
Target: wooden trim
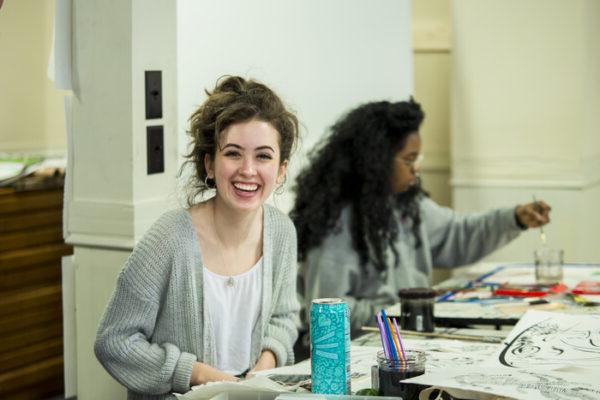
(31,219)
(35,200)
(33,335)
(50,368)
(46,253)
(24,321)
(26,355)
(34,275)
(20,300)
(20,239)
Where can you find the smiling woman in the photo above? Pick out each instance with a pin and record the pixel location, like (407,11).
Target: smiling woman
(209,292)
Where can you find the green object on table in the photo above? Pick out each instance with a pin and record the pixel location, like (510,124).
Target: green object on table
(367,392)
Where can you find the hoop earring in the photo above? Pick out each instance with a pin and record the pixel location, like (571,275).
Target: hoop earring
(281,187)
(210,185)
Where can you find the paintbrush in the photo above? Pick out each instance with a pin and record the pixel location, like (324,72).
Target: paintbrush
(538,208)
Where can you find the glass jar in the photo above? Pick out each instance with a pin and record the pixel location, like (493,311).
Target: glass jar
(416,309)
(390,373)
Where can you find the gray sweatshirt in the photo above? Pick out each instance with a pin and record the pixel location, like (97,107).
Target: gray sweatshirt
(448,239)
(154,329)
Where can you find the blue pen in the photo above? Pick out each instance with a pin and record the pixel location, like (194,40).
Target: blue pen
(485,276)
(389,335)
(446,296)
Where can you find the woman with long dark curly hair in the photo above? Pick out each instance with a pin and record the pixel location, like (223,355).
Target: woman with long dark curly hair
(367,229)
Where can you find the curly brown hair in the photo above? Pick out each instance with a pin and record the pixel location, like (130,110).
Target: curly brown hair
(235,100)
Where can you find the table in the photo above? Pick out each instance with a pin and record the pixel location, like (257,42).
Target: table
(502,312)
(480,370)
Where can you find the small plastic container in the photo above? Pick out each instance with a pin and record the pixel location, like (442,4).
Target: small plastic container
(390,373)
(548,266)
(416,309)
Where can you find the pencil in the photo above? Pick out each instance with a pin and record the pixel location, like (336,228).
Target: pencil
(400,339)
(386,350)
(488,339)
(394,338)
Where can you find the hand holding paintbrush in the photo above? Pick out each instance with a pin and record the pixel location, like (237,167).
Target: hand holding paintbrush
(534,215)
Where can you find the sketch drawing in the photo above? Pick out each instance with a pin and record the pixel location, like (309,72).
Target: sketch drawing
(552,343)
(531,383)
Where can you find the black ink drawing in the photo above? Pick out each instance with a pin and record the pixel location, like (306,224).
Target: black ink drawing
(535,384)
(549,344)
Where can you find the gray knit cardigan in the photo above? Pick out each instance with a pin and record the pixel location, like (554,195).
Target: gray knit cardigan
(153,329)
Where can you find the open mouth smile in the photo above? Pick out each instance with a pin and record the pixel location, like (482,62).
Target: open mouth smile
(246,187)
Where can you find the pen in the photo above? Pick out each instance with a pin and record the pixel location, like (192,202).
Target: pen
(476,282)
(446,296)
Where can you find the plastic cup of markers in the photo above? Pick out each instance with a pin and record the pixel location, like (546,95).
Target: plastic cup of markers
(390,373)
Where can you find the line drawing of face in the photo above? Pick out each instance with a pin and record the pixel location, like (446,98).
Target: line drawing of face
(247,165)
(546,343)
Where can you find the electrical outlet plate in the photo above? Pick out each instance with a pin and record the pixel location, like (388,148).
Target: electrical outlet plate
(153,94)
(155,149)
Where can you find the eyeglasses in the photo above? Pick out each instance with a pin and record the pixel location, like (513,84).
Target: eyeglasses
(412,163)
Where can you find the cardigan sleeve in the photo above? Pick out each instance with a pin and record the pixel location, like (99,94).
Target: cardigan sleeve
(281,330)
(124,343)
(457,239)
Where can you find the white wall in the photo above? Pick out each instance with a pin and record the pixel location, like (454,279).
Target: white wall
(321,57)
(525,121)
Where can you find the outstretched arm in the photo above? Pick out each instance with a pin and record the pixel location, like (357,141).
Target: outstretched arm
(458,239)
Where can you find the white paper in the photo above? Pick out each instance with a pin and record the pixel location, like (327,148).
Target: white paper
(443,354)
(546,355)
(550,341)
(255,384)
(514,383)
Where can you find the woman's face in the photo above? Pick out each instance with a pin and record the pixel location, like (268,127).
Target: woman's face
(405,165)
(247,165)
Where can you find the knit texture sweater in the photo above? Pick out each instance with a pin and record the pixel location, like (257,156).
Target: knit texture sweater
(156,324)
(448,239)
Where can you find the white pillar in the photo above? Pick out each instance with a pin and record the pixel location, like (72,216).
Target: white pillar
(525,121)
(110,199)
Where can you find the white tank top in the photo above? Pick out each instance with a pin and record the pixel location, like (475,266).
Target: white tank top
(234,304)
